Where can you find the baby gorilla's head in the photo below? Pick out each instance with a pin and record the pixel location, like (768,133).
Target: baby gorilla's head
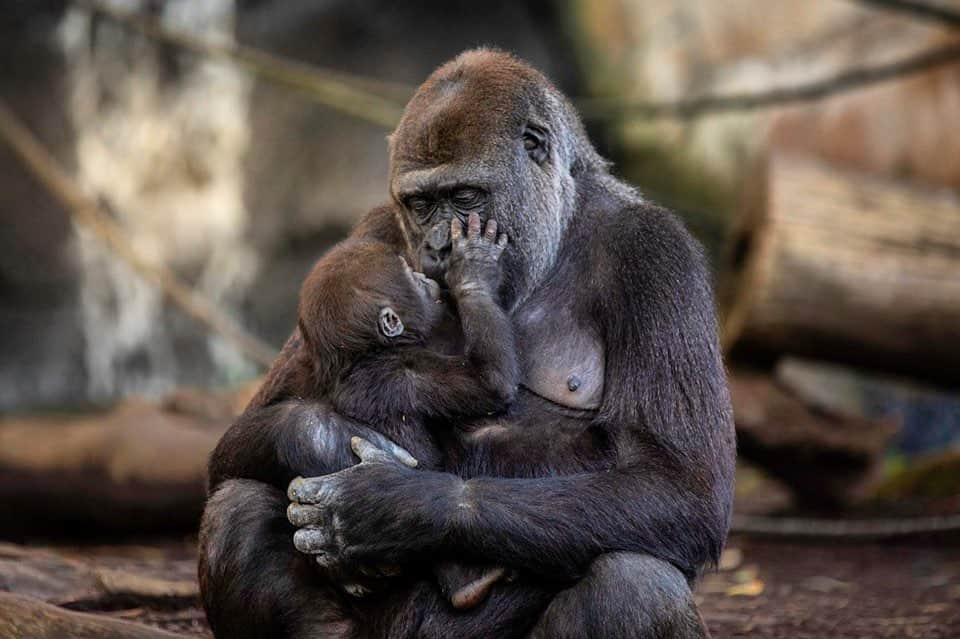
(360,296)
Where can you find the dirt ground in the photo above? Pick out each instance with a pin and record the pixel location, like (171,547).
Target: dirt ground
(817,591)
(764,589)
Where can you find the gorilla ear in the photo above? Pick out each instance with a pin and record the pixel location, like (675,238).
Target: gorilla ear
(536,143)
(390,324)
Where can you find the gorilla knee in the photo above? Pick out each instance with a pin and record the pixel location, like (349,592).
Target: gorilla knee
(238,515)
(646,577)
(625,595)
(647,597)
(241,553)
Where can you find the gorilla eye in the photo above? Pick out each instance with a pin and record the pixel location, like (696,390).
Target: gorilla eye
(421,206)
(468,198)
(536,143)
(390,324)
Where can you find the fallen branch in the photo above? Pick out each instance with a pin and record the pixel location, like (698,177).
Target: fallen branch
(100,472)
(79,585)
(352,95)
(861,529)
(381,103)
(843,82)
(25,618)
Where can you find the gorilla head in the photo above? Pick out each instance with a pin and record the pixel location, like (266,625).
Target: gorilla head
(487,133)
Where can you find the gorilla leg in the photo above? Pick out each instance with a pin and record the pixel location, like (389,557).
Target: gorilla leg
(253,581)
(624,595)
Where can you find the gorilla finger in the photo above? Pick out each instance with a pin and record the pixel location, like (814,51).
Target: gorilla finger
(456,230)
(309,490)
(502,240)
(403,455)
(312,541)
(366,451)
(490,233)
(300,515)
(473,226)
(383,443)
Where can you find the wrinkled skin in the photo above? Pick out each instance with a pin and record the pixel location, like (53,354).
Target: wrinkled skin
(623,399)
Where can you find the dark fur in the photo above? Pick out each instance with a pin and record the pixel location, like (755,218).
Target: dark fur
(643,501)
(394,385)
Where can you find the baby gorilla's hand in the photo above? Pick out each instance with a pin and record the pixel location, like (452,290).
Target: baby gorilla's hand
(475,258)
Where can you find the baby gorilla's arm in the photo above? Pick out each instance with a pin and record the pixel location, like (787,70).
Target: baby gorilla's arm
(473,277)
(276,443)
(488,374)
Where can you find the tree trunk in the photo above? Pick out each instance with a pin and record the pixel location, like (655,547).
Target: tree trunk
(138,467)
(835,265)
(25,618)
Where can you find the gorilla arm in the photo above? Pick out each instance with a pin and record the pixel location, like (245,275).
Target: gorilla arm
(665,408)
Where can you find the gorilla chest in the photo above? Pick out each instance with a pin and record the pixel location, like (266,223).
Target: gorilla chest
(561,356)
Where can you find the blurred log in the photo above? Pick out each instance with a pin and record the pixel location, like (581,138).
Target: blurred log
(83,585)
(25,618)
(139,467)
(835,265)
(827,459)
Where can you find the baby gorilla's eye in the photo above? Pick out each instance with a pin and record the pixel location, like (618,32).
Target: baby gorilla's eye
(468,198)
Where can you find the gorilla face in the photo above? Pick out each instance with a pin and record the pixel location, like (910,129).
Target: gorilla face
(487,134)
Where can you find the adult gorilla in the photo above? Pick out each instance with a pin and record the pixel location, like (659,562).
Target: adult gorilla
(622,388)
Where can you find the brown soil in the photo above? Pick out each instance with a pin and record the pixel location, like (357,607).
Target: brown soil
(817,591)
(764,590)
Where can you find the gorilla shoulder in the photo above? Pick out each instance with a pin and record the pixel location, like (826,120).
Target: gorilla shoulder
(646,252)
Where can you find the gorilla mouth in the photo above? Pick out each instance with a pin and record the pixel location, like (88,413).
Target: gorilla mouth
(431,286)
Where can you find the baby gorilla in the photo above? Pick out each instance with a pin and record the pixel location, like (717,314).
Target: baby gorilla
(366,316)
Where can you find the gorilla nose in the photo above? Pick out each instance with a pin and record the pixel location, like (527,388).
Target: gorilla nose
(438,238)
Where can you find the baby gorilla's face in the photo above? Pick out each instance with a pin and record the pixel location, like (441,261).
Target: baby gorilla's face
(413,309)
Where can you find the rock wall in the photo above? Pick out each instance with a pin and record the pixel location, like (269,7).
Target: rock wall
(236,184)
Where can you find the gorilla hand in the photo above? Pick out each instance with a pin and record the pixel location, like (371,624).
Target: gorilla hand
(376,513)
(474,262)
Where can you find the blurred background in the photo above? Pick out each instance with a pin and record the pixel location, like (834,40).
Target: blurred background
(169,171)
